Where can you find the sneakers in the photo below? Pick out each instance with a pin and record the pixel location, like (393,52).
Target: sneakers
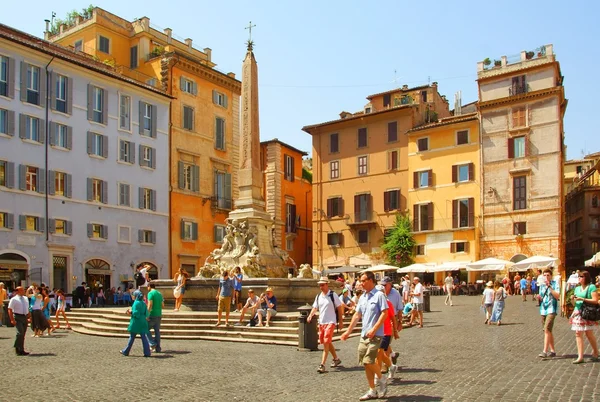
(382,387)
(321,369)
(551,354)
(335,363)
(372,394)
(248,325)
(394,357)
(392,371)
(237,324)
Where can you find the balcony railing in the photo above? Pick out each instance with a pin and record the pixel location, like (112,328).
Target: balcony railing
(222,202)
(518,90)
(362,218)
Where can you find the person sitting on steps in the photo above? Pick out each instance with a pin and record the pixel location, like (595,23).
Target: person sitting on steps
(268,307)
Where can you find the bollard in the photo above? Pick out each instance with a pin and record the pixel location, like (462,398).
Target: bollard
(307,331)
(427,301)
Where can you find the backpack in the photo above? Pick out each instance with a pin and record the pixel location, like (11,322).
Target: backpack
(139,279)
(337,313)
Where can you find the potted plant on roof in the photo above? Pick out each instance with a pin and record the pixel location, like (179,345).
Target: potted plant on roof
(529,55)
(497,63)
(487,61)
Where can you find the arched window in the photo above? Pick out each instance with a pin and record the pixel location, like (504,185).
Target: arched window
(594,247)
(152,271)
(97,264)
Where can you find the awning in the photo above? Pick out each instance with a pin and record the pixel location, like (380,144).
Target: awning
(594,261)
(416,268)
(380,268)
(537,261)
(361,259)
(488,264)
(342,270)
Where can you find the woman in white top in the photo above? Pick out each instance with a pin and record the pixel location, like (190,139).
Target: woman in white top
(60,309)
(180,277)
(487,301)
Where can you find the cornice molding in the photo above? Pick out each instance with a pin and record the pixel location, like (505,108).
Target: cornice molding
(211,75)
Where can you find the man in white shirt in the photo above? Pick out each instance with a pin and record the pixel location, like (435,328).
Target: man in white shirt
(417,300)
(448,285)
(251,305)
(326,303)
(18,312)
(143,281)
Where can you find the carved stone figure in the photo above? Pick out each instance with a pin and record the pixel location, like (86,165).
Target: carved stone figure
(305,271)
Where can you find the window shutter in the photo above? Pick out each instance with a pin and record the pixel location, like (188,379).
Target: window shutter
(153,158)
(105,146)
(430,178)
(471,212)
(90,193)
(356,206)
(22,125)
(329,207)
(104,231)
(104,192)
(454,214)
(194,231)
(228,189)
(216,184)
(182,229)
(194,88)
(394,160)
(104,106)
(51,182)
(68,186)
(471,171)
(52,89)
(10,175)
(11,78)
(41,225)
(180,175)
(141,233)
(153,200)
(90,102)
(386,201)
(42,130)
(214,93)
(416,218)
(225,101)
(141,197)
(154,112)
(43,89)
(11,122)
(70,96)
(526,140)
(511,148)
(153,236)
(196,178)
(51,225)
(23,81)
(430,216)
(454,173)
(340,207)
(453,247)
(141,155)
(90,142)
(182,84)
(22,222)
(10,221)
(141,106)
(122,150)
(131,152)
(415,179)
(69,137)
(69,228)
(22,177)
(392,131)
(41,181)
(215,233)
(90,230)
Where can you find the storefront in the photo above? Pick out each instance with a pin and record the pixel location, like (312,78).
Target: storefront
(13,270)
(98,272)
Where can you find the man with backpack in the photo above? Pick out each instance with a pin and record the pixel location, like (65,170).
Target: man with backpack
(141,276)
(330,309)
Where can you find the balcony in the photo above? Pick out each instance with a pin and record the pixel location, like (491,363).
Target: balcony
(222,203)
(518,90)
(362,218)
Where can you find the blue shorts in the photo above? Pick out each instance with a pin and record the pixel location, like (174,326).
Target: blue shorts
(182,290)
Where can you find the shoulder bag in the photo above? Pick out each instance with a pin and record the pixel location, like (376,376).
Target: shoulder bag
(590,312)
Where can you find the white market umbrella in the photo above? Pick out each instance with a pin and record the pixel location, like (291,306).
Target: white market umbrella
(537,261)
(594,261)
(380,267)
(451,266)
(489,264)
(416,268)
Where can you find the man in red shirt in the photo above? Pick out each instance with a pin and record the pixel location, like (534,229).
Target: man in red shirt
(390,327)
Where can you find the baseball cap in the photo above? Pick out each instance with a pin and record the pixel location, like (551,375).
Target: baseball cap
(385,280)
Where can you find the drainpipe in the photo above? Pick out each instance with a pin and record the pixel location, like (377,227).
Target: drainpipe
(170,237)
(306,256)
(46,144)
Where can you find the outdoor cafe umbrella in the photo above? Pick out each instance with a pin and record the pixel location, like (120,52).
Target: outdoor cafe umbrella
(537,261)
(380,267)
(416,268)
(346,269)
(594,261)
(488,264)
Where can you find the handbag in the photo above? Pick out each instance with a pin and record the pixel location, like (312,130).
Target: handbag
(590,312)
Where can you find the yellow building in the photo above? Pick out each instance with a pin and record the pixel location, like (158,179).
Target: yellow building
(204,148)
(360,174)
(574,169)
(443,193)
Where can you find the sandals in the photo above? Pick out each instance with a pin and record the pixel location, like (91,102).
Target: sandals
(578,361)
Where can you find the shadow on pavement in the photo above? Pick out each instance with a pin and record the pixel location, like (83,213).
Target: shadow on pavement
(176,352)
(162,355)
(421,382)
(342,368)
(415,398)
(418,370)
(433,326)
(507,324)
(41,354)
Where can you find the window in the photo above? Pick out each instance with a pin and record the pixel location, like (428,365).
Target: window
(147,236)
(126,151)
(519,192)
(334,169)
(423,144)
(520,228)
(31,178)
(103,44)
(78,45)
(420,249)
(61,136)
(594,201)
(59,183)
(147,199)
(188,118)
(334,145)
(517,147)
(463,213)
(462,137)
(3,173)
(462,173)
(362,207)
(98,105)
(147,157)
(424,96)
(147,119)
(151,82)
(594,247)
(393,131)
(518,117)
(222,189)
(335,207)
(334,239)
(189,176)
(7,124)
(189,230)
(60,226)
(33,85)
(219,233)
(393,160)
(124,234)
(289,244)
(423,217)
(7,221)
(96,190)
(367,110)
(519,85)
(97,231)
(133,57)
(97,144)
(125,112)
(578,169)
(363,236)
(362,165)
(33,224)
(387,99)
(594,222)
(61,93)
(32,129)
(187,86)
(362,137)
(124,194)
(288,167)
(290,218)
(459,247)
(391,200)
(3,76)
(219,99)
(423,179)
(220,133)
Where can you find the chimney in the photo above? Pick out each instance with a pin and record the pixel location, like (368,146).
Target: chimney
(232,75)
(47,31)
(208,52)
(188,42)
(168,32)
(145,23)
(404,87)
(434,84)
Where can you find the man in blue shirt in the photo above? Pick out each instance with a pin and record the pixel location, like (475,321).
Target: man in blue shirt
(373,309)
(224,293)
(548,297)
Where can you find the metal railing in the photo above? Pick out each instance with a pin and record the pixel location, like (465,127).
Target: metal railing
(518,89)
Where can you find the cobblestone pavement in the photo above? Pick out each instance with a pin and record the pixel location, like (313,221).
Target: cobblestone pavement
(455,357)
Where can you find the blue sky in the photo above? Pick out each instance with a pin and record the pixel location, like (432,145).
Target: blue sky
(317,58)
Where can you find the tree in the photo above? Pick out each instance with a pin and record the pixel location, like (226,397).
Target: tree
(399,243)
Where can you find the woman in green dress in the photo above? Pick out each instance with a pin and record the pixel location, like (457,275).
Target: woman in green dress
(586,293)
(138,324)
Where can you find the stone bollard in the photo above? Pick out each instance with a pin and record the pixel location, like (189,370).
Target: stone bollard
(426,301)
(307,331)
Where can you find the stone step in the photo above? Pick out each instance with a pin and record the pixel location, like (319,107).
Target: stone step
(276,326)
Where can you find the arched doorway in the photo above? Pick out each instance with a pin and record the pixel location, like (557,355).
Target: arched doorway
(518,258)
(152,271)
(97,272)
(13,269)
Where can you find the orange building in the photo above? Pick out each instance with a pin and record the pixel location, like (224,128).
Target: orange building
(288,196)
(360,173)
(204,147)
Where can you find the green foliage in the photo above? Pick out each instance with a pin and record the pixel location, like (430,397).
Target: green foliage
(399,242)
(306,175)
(71,18)
(487,61)
(157,51)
